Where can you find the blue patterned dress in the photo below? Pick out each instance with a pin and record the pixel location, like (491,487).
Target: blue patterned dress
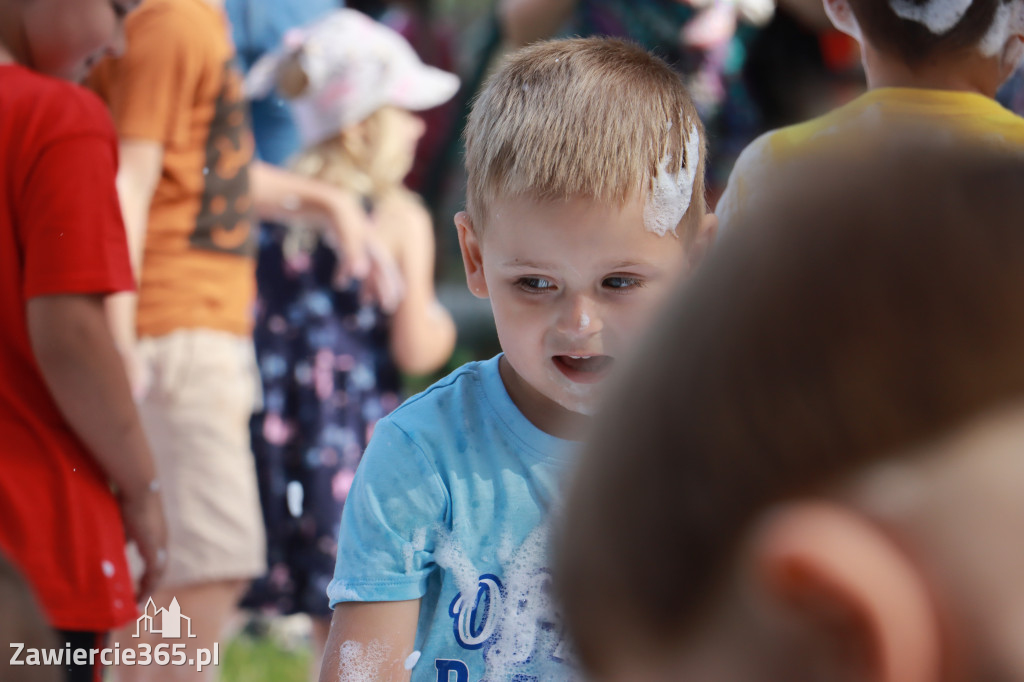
(327,378)
(323,356)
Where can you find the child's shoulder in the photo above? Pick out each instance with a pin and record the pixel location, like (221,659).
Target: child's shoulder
(455,397)
(49,108)
(404,222)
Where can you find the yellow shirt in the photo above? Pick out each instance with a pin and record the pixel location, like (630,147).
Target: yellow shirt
(844,131)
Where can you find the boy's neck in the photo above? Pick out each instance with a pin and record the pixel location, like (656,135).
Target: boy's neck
(546,415)
(963,72)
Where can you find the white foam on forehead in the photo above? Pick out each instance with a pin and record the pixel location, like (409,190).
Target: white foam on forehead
(672,188)
(938,16)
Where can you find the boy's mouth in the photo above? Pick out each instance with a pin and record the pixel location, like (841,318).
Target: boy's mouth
(584,369)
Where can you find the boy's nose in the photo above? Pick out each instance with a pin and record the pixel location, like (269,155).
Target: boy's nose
(580,316)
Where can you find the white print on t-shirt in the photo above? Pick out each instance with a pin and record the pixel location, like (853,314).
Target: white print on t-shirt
(512,618)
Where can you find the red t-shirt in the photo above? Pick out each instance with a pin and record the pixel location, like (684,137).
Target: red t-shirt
(60,233)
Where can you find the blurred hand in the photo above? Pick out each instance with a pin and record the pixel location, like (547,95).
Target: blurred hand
(144,523)
(350,227)
(712,27)
(139,378)
(385,283)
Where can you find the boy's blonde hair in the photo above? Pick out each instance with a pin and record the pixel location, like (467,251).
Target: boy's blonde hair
(584,117)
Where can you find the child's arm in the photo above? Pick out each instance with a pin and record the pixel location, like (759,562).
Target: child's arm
(281,195)
(137,178)
(370,641)
(422,330)
(75,352)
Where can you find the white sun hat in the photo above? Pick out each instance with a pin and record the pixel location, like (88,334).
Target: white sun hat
(355,66)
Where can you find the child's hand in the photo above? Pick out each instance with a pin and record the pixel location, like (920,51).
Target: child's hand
(350,227)
(139,377)
(144,523)
(385,283)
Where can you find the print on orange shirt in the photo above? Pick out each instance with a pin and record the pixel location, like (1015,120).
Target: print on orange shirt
(224,223)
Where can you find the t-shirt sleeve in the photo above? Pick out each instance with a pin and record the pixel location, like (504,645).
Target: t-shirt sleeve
(149,89)
(389,523)
(71,231)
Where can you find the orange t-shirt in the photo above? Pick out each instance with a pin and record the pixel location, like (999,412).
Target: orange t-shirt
(176,85)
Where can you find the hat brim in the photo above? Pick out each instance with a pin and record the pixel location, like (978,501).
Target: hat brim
(425,88)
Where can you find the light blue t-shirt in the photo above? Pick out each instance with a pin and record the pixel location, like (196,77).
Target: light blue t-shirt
(451,503)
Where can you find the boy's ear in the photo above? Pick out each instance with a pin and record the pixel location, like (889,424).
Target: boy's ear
(1012,56)
(841,575)
(842,17)
(703,240)
(472,258)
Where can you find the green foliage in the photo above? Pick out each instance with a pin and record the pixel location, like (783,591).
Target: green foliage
(262,659)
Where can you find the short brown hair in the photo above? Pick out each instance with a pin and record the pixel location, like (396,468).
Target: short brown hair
(857,321)
(583,117)
(912,41)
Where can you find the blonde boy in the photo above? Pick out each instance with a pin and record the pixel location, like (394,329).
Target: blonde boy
(931,65)
(585,203)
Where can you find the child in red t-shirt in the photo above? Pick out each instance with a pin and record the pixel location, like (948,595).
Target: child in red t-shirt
(75,468)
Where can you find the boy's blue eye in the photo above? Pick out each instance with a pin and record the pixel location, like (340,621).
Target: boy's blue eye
(534,284)
(623,283)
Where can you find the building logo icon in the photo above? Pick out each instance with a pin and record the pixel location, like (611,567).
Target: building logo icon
(163,622)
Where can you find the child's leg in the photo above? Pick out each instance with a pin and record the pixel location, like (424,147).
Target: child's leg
(209,607)
(92,669)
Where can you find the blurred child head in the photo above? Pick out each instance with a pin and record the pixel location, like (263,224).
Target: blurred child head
(63,38)
(585,163)
(983,38)
(815,471)
(352,83)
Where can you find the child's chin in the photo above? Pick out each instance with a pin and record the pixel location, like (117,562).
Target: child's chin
(585,405)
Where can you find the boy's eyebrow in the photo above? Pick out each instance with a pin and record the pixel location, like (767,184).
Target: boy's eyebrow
(541,265)
(519,263)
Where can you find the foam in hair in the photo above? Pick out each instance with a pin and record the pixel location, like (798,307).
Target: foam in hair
(938,16)
(672,191)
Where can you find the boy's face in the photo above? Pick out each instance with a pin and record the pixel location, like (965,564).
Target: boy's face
(572,285)
(66,38)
